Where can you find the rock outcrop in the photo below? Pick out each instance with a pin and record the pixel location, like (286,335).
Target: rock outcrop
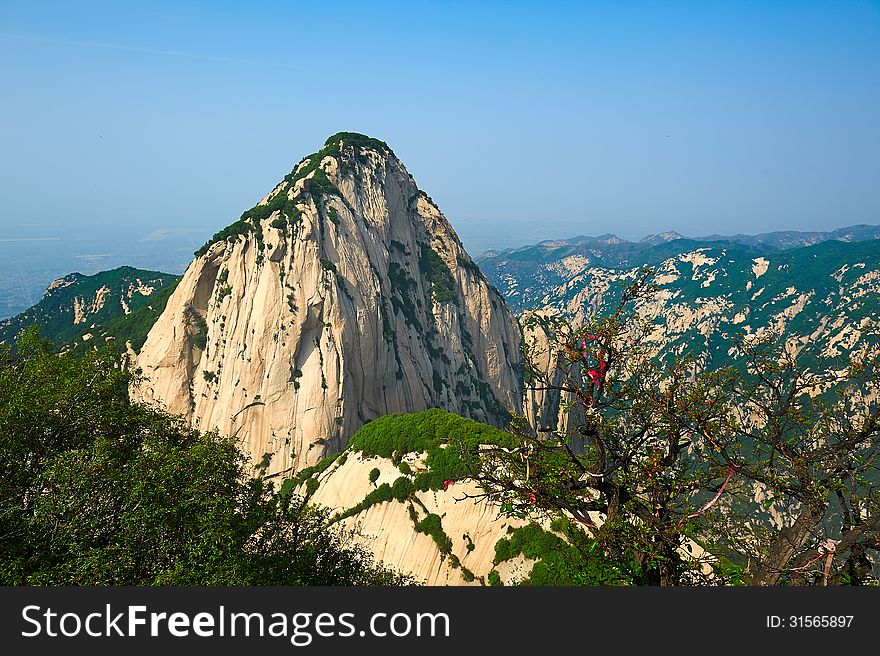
(78,312)
(468,529)
(342,296)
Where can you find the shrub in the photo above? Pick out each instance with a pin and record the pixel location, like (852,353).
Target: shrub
(435,271)
(449,441)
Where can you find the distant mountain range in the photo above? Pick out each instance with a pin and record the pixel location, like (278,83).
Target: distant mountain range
(779,240)
(824,297)
(529,275)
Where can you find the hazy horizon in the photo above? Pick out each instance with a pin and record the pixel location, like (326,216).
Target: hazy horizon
(524,122)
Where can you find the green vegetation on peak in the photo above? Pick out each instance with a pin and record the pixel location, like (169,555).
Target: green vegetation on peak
(450,442)
(356,140)
(318,185)
(418,432)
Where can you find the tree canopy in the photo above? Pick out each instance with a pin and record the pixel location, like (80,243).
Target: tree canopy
(760,472)
(97,490)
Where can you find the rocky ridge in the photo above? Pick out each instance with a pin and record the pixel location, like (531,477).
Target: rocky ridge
(78,311)
(822,299)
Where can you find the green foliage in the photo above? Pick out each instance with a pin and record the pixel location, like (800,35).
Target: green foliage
(381,494)
(575,560)
(403,289)
(402,488)
(669,451)
(133,328)
(437,381)
(223,291)
(436,272)
(230,233)
(320,185)
(327,265)
(432,525)
(317,186)
(308,472)
(96,490)
(356,141)
(450,442)
(467,263)
(200,338)
(729,572)
(494,578)
(404,468)
(109,323)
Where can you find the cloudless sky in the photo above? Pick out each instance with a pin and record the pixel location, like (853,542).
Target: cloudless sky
(523,120)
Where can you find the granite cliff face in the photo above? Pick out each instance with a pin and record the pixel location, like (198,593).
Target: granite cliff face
(342,296)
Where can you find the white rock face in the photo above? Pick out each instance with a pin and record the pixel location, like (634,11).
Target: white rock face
(289,338)
(473,526)
(545,409)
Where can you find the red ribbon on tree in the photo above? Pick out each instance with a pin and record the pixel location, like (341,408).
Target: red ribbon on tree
(712,502)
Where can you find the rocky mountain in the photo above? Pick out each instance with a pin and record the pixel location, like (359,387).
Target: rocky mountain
(785,239)
(824,298)
(79,311)
(402,484)
(526,274)
(343,295)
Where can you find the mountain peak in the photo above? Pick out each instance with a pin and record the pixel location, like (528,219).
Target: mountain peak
(315,175)
(356,140)
(662,237)
(343,295)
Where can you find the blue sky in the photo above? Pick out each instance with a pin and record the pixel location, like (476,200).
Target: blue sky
(522,120)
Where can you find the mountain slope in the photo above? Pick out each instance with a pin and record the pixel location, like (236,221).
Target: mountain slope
(525,275)
(342,296)
(786,239)
(403,483)
(77,311)
(825,298)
